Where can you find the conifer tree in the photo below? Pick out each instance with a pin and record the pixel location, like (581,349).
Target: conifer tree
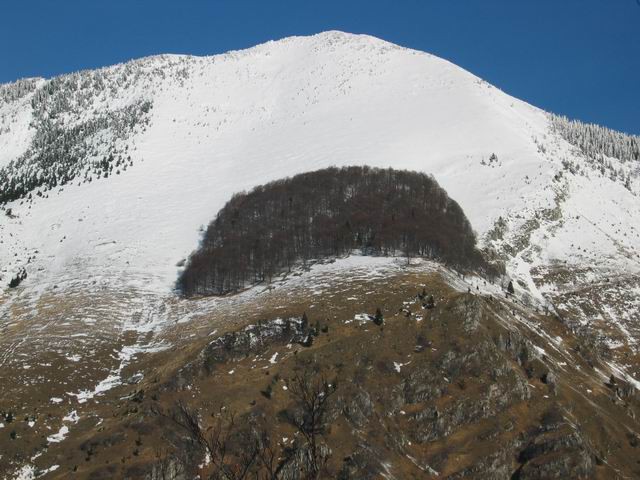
(378,318)
(430,303)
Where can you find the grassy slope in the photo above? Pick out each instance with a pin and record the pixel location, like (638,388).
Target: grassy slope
(490,399)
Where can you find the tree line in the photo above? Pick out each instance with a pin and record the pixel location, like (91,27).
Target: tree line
(596,141)
(600,145)
(80,123)
(60,154)
(329,213)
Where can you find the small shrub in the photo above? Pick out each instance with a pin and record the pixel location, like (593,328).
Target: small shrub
(378,318)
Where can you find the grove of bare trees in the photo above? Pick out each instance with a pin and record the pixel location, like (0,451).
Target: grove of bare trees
(329,213)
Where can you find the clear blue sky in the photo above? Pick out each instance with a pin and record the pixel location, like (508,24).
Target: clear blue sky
(576,57)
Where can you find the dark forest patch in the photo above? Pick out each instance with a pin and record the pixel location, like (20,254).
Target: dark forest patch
(328,213)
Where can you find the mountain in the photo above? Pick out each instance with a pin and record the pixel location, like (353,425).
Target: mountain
(109,177)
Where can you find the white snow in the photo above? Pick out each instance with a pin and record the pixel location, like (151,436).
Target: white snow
(60,436)
(52,468)
(125,355)
(398,366)
(27,472)
(72,417)
(360,318)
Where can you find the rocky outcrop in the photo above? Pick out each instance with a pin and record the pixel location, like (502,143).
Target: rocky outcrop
(255,339)
(518,347)
(356,406)
(495,466)
(557,449)
(468,308)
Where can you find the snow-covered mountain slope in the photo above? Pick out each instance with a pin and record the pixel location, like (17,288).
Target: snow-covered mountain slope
(118,169)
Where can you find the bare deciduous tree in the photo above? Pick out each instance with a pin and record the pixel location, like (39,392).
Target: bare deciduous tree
(217,440)
(245,450)
(167,466)
(312,393)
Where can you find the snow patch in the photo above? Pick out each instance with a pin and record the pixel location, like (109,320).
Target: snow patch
(60,436)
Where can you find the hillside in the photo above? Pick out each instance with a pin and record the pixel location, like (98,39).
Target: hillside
(479,386)
(109,177)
